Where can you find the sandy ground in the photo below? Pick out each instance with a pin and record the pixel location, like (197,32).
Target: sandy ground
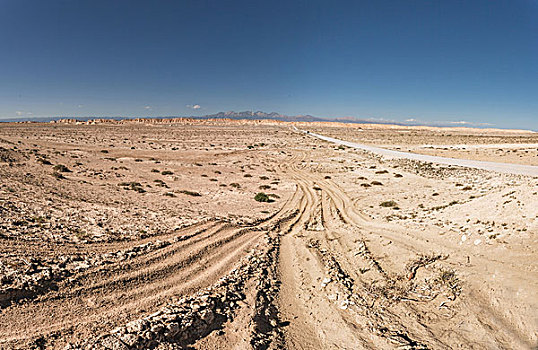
(505,168)
(142,235)
(495,145)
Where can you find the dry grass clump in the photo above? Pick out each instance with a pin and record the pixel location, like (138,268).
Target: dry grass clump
(448,279)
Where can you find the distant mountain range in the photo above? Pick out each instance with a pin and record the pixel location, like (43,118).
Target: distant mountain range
(250,115)
(259,115)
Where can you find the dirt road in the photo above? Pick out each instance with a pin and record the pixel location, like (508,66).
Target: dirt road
(508,168)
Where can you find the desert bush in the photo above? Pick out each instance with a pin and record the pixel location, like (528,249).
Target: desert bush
(264,178)
(155,171)
(262,197)
(247,175)
(398,175)
(264,187)
(235,185)
(59,176)
(381,172)
(366,185)
(377,183)
(167,172)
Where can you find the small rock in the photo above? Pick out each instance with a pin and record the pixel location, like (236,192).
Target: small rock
(325,282)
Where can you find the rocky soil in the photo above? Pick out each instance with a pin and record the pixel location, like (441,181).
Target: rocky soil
(147,235)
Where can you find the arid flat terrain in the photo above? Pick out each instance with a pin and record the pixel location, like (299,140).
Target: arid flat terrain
(147,234)
(495,145)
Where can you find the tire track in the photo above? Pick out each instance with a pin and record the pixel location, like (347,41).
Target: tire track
(100,299)
(347,238)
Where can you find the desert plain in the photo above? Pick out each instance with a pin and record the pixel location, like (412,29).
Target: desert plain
(223,234)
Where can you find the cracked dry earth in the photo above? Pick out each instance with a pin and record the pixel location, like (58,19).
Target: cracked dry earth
(90,261)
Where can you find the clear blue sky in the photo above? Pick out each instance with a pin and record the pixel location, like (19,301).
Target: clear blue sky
(474,61)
